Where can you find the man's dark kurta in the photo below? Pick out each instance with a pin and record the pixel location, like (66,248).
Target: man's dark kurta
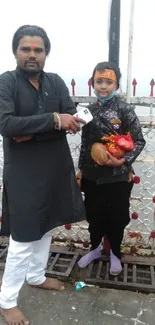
(40,189)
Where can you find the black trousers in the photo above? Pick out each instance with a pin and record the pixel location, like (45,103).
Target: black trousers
(107,211)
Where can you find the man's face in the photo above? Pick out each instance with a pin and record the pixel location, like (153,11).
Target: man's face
(31,55)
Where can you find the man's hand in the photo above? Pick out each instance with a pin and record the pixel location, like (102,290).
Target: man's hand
(23,138)
(78,178)
(112,161)
(70,123)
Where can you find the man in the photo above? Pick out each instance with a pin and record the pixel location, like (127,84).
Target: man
(40,190)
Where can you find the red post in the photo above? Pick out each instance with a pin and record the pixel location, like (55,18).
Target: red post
(73,87)
(134,84)
(89,86)
(107,246)
(152,83)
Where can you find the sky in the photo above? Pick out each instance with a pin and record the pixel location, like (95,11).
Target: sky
(78,30)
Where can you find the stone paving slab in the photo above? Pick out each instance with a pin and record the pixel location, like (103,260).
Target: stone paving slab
(89,306)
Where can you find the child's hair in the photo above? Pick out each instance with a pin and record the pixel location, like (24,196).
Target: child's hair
(107,65)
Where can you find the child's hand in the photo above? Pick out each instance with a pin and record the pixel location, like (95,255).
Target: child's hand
(78,178)
(23,138)
(112,161)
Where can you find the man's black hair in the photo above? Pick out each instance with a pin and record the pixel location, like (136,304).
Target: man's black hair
(30,30)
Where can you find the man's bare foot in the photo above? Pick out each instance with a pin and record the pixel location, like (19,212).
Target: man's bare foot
(51,284)
(14,316)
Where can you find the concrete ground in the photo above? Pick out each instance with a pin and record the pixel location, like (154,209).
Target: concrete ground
(89,306)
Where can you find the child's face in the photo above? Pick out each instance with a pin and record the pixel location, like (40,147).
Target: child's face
(104,87)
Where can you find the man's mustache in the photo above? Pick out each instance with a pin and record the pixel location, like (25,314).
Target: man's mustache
(32,61)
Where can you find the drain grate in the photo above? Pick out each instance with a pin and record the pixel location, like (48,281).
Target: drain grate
(61,263)
(138,272)
(138,275)
(3,254)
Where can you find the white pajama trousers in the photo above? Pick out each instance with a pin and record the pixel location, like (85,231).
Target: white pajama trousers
(25,261)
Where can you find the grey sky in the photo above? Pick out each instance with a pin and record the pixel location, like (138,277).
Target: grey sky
(78,34)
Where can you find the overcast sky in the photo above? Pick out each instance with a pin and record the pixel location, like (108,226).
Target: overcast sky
(78,33)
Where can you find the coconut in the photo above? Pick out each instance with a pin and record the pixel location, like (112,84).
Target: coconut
(99,153)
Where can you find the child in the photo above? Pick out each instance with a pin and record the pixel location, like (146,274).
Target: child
(107,186)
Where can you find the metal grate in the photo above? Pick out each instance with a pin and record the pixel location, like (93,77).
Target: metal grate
(136,275)
(61,263)
(138,272)
(3,254)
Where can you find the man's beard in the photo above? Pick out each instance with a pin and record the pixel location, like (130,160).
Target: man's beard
(32,70)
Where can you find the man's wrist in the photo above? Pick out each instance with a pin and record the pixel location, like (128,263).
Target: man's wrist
(57,121)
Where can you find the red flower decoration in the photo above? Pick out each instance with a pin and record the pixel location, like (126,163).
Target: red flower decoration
(136,179)
(152,234)
(132,234)
(68,226)
(134,216)
(153,199)
(85,244)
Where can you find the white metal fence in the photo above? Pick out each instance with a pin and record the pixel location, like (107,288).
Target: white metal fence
(141,229)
